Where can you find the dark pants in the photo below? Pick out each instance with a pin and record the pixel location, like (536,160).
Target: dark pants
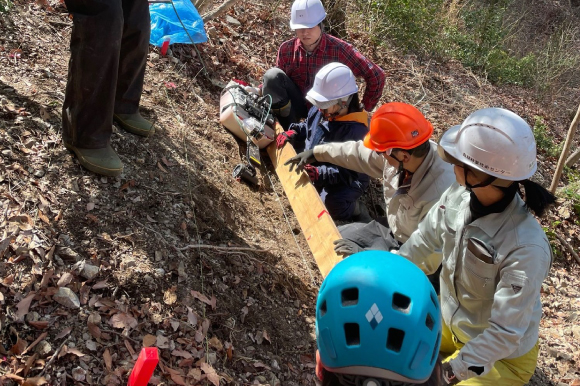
(340,202)
(109,45)
(283,90)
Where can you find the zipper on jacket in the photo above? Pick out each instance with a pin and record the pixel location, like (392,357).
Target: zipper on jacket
(455,286)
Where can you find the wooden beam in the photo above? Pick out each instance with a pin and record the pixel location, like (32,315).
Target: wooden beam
(317,225)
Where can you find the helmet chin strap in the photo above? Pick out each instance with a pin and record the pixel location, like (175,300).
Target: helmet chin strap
(483,184)
(400,168)
(313,44)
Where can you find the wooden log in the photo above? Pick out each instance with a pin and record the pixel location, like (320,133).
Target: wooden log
(316,224)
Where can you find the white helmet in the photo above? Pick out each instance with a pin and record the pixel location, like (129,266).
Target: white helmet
(495,141)
(306,14)
(333,83)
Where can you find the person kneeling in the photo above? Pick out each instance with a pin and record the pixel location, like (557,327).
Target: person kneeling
(336,116)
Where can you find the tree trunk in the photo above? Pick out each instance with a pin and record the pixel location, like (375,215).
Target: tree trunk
(201,5)
(219,10)
(567,145)
(336,17)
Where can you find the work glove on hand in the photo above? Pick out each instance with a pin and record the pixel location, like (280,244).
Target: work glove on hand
(346,247)
(447,375)
(284,137)
(301,160)
(312,172)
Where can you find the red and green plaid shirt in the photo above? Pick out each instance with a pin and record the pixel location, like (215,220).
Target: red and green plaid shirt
(302,67)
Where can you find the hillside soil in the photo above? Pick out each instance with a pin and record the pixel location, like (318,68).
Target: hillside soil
(176,253)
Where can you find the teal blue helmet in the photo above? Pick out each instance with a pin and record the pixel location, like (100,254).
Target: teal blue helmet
(378,316)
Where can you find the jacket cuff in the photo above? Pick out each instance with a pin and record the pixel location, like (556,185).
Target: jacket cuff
(460,369)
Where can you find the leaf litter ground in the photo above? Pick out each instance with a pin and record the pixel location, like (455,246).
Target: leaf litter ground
(175,253)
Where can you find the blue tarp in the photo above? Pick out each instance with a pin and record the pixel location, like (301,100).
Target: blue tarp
(165,23)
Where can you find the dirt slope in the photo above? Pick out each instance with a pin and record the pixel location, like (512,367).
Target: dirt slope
(213,272)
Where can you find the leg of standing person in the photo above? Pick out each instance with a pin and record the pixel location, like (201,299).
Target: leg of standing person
(132,64)
(90,92)
(288,103)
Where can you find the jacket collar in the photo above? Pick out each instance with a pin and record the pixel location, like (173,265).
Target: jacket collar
(360,117)
(320,47)
(492,223)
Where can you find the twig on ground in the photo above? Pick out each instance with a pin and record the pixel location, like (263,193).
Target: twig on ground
(206,246)
(568,246)
(160,238)
(53,357)
(121,335)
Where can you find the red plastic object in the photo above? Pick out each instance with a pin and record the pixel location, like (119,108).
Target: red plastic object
(164,47)
(144,367)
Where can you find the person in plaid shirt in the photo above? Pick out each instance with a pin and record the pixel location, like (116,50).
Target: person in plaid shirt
(300,58)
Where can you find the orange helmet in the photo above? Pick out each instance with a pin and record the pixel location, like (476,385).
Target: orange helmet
(397,125)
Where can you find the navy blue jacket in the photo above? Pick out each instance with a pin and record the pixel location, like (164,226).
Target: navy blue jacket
(315,131)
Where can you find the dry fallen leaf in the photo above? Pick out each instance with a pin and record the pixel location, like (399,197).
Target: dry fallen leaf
(176,376)
(67,298)
(191,317)
(43,217)
(24,305)
(170,297)
(94,330)
(79,374)
(210,373)
(44,114)
(162,342)
(108,359)
(216,343)
(205,299)
(36,381)
(122,320)
(75,351)
(149,340)
(65,279)
(41,324)
(64,333)
(100,284)
(267,337)
(181,353)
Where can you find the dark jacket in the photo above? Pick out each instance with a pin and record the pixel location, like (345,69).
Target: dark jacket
(316,131)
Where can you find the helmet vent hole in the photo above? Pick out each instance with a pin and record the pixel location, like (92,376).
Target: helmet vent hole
(349,297)
(395,339)
(429,322)
(401,303)
(352,334)
(434,300)
(323,308)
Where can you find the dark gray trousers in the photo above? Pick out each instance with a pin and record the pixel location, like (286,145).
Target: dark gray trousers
(109,46)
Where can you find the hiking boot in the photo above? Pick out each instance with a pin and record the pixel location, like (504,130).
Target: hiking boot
(135,123)
(101,161)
